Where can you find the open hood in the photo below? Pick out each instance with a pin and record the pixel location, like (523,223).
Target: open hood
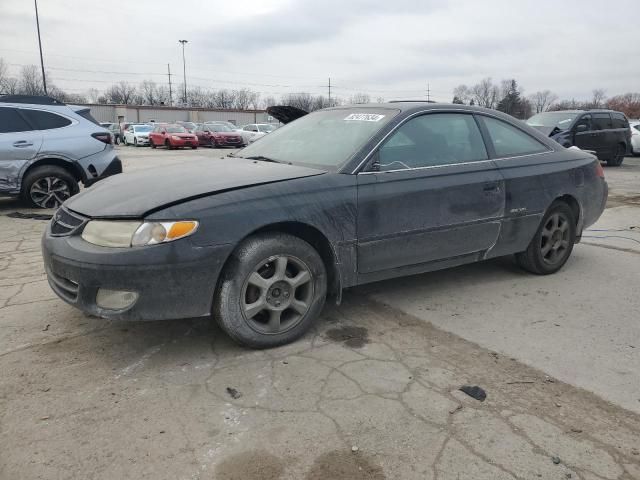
(133,195)
(285,113)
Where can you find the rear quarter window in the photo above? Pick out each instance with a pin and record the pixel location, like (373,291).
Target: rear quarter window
(86,114)
(509,141)
(45,120)
(619,120)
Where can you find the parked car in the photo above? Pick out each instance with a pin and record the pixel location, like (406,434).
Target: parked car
(231,126)
(172,136)
(254,131)
(340,197)
(218,135)
(189,126)
(116,137)
(137,135)
(635,137)
(604,132)
(47,148)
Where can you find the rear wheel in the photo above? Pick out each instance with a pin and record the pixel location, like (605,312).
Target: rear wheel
(271,292)
(618,158)
(553,242)
(212,143)
(48,186)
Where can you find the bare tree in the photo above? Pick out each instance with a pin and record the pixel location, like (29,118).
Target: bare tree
(542,100)
(380,100)
(255,100)
(629,104)
(149,92)
(94,95)
(11,86)
(360,98)
(30,81)
(3,73)
(121,93)
(485,94)
(302,100)
(269,101)
(242,99)
(224,98)
(162,94)
(462,93)
(598,98)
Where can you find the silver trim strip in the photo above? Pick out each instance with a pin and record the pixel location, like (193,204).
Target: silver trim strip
(436,110)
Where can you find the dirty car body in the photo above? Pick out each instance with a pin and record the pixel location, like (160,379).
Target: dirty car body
(385,190)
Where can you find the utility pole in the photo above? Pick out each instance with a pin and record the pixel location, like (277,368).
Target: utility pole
(329,91)
(184,69)
(44,78)
(169,74)
(428,93)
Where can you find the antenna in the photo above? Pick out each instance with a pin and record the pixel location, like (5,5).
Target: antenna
(329,91)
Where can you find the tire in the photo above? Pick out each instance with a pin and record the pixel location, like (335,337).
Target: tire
(212,143)
(135,142)
(193,147)
(117,140)
(263,269)
(548,250)
(618,158)
(151,144)
(48,186)
(167,144)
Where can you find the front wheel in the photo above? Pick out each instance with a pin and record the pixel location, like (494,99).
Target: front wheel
(151,144)
(553,242)
(271,292)
(167,144)
(48,186)
(135,142)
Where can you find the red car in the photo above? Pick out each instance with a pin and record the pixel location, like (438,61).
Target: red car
(215,135)
(172,136)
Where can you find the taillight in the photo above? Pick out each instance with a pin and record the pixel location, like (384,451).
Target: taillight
(599,169)
(103,137)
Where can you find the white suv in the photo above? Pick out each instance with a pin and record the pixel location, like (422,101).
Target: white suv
(47,148)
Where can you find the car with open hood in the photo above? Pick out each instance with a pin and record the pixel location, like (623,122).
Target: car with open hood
(604,132)
(334,199)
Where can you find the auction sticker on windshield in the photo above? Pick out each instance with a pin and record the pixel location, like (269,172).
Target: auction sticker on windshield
(365,117)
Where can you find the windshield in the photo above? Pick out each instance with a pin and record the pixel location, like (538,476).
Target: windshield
(562,120)
(325,139)
(218,128)
(265,127)
(143,128)
(176,129)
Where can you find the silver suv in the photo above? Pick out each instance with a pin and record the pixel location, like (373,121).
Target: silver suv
(47,148)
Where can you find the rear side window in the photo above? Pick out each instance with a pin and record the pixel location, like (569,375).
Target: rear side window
(12,121)
(619,120)
(45,120)
(601,121)
(86,114)
(509,141)
(432,140)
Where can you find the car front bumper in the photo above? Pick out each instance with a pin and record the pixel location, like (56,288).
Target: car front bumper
(172,281)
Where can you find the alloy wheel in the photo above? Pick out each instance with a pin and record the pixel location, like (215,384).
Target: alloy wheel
(277,294)
(555,238)
(49,192)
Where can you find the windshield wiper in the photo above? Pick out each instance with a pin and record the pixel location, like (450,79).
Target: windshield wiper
(262,158)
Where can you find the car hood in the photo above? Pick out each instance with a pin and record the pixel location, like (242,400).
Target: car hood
(134,195)
(286,113)
(548,131)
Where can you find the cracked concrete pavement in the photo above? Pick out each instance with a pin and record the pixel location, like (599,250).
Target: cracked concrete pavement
(371,392)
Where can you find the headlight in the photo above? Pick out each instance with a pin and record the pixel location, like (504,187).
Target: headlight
(123,234)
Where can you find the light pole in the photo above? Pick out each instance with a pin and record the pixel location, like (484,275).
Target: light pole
(184,69)
(44,79)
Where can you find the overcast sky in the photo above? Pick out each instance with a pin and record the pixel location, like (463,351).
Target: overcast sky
(387,48)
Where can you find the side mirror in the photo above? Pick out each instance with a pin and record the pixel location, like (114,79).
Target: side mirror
(581,128)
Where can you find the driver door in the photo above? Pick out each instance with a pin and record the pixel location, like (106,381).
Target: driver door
(430,194)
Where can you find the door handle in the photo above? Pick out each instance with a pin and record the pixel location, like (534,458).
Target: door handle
(22,143)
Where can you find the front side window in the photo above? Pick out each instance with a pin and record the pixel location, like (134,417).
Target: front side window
(11,121)
(432,140)
(601,121)
(509,141)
